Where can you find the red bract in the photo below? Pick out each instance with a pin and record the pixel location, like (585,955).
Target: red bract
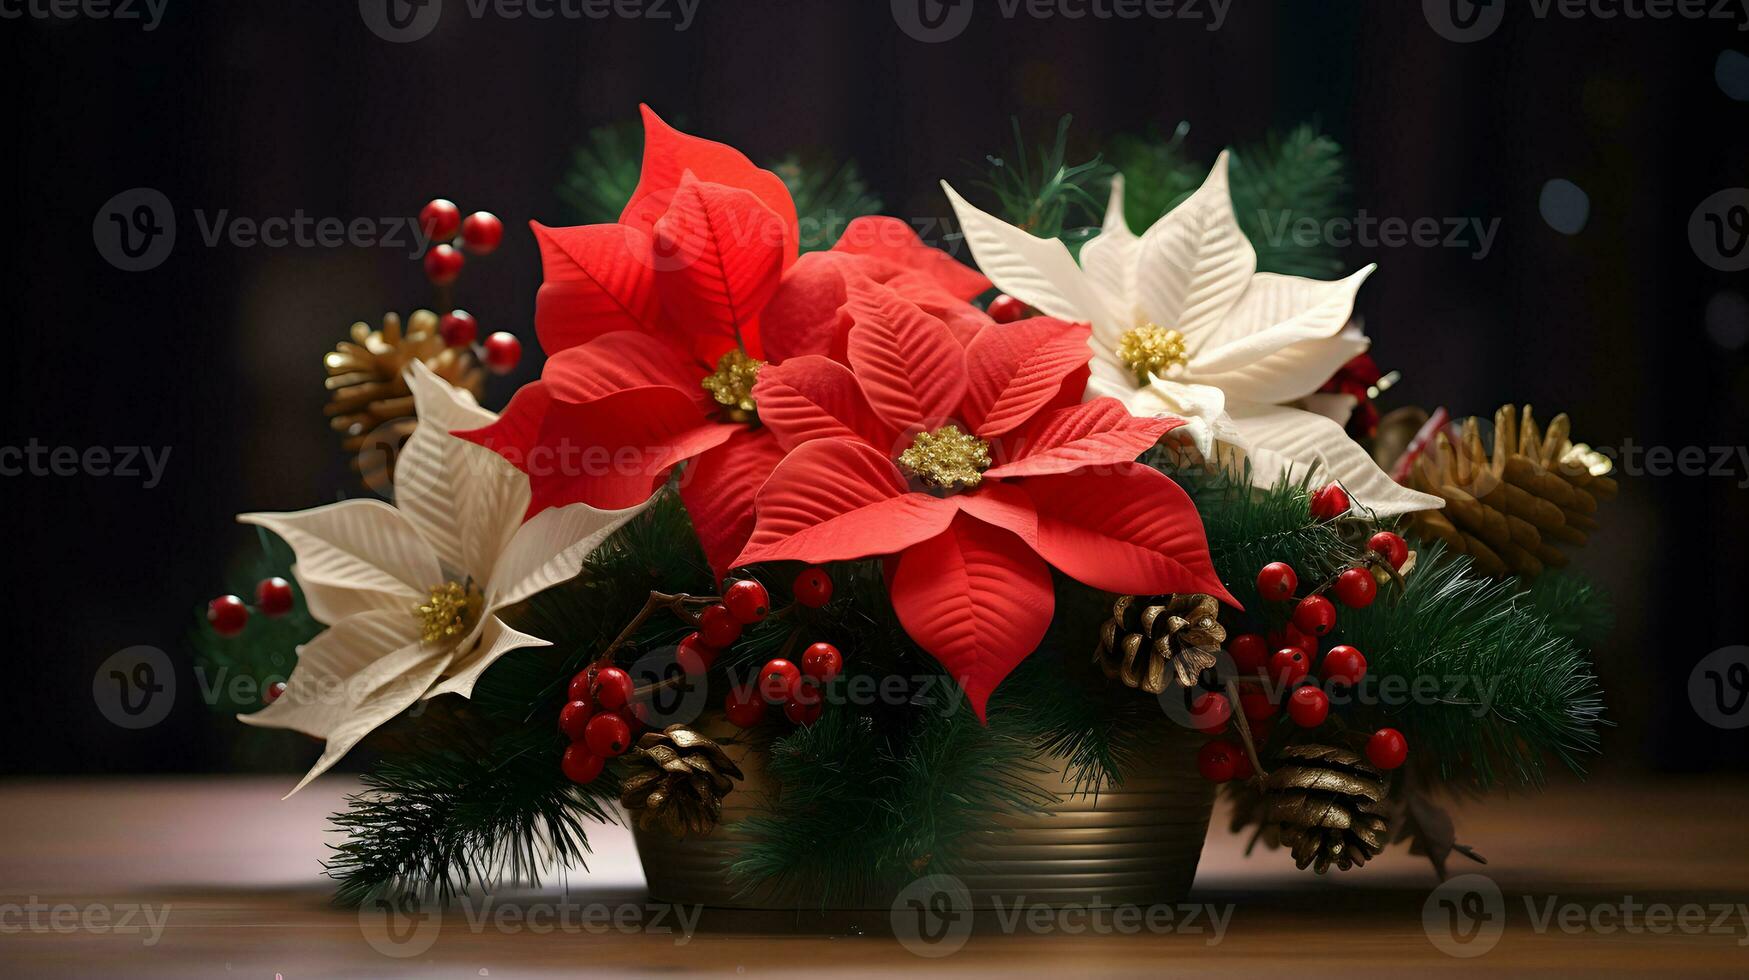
(635,315)
(971,582)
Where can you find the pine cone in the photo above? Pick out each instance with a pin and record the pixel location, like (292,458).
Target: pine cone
(680,781)
(1153,643)
(371,405)
(1508,510)
(1328,806)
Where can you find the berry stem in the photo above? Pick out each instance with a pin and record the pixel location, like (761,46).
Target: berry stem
(675,603)
(1257,772)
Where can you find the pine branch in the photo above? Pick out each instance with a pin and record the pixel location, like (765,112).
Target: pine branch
(826,199)
(604,173)
(1291,180)
(1053,199)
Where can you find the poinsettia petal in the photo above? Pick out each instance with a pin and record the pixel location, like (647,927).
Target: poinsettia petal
(496,640)
(977,599)
(1293,372)
(1038,271)
(1098,433)
(361,546)
(594,279)
(669,154)
(1015,369)
(621,360)
(897,242)
(517,429)
(1144,538)
(719,253)
(1195,263)
(814,397)
(911,368)
(719,488)
(1281,441)
(1004,505)
(1110,263)
(805,314)
(550,548)
(834,500)
(1274,313)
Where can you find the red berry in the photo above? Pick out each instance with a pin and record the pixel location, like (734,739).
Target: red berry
(822,662)
(613,688)
(580,688)
(1257,706)
(694,655)
(442,264)
(574,718)
(1329,502)
(227,615)
(1277,582)
(1218,761)
(1392,546)
(1250,652)
(636,715)
(273,692)
(1006,309)
(1289,666)
(481,232)
(718,627)
(439,219)
(778,680)
(580,765)
(1210,711)
(274,596)
(1315,615)
(744,708)
(801,713)
(1242,764)
(607,735)
(503,352)
(813,587)
(459,328)
(747,601)
(1343,665)
(1293,636)
(1387,748)
(1355,588)
(1308,707)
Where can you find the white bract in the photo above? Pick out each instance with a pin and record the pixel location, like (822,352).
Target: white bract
(1184,325)
(411,593)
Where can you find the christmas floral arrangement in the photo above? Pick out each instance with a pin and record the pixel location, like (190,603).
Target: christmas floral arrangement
(839,562)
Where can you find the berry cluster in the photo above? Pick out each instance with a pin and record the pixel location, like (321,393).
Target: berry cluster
(1282,662)
(781,681)
(479,234)
(229,614)
(599,718)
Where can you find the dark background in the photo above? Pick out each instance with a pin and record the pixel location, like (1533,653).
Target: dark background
(264,108)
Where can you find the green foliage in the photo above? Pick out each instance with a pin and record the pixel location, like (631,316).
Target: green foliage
(1574,606)
(827,199)
(603,174)
(238,669)
(1052,198)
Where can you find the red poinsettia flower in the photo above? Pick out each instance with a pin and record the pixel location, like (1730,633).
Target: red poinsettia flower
(979,468)
(656,326)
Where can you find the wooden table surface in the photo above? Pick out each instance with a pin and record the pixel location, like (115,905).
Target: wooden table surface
(218,877)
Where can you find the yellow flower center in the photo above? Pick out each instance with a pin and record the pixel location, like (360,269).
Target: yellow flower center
(1152,350)
(450,613)
(947,458)
(731,384)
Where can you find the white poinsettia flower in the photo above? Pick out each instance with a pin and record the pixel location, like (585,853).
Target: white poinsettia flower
(1185,325)
(411,593)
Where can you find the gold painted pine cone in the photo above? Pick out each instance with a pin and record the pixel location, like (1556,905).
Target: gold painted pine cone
(1509,508)
(680,780)
(370,404)
(1151,643)
(1328,806)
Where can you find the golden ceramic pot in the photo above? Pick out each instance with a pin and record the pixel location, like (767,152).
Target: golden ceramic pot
(1136,844)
